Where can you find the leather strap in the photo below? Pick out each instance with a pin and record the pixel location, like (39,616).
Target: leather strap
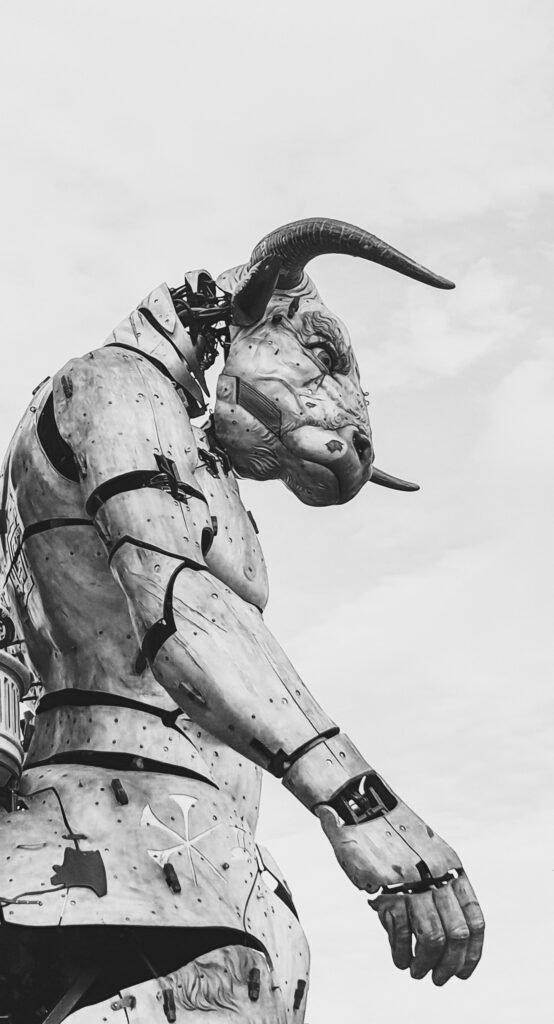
(74,698)
(262,408)
(163,479)
(160,631)
(279,763)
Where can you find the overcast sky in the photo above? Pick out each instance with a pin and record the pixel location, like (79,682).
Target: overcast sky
(145,138)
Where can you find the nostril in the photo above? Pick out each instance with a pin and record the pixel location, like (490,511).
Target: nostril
(362,444)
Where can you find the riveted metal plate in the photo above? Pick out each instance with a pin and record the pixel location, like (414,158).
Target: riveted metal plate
(168,820)
(122,730)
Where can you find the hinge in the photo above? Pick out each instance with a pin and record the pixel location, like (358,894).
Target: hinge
(299,993)
(125,1003)
(209,460)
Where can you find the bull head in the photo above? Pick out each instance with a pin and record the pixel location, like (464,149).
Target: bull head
(289,402)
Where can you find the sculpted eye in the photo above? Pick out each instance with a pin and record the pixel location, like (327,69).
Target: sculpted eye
(326,355)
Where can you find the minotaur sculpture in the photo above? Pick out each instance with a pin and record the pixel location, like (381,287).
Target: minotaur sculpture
(131,884)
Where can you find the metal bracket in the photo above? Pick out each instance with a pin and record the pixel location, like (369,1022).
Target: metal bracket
(209,460)
(172,878)
(254,984)
(169,1007)
(363,798)
(125,1003)
(119,791)
(299,993)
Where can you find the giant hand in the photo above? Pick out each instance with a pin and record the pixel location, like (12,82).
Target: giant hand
(420,891)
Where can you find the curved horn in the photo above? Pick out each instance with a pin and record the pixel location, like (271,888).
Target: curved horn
(299,242)
(394,482)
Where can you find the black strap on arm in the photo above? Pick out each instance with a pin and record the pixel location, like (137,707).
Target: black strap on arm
(164,479)
(279,763)
(55,447)
(160,631)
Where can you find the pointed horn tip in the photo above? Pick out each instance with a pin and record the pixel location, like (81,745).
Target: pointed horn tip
(409,487)
(395,483)
(432,279)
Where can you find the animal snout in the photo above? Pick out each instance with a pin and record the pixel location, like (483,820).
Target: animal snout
(363,447)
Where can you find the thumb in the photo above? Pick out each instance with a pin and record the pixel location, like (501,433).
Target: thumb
(331,823)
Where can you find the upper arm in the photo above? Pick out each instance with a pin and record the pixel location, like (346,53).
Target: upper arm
(131,438)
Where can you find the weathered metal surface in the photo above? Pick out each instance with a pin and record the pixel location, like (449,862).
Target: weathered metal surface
(216,987)
(64,731)
(171,345)
(68,607)
(167,819)
(235,556)
(77,856)
(269,915)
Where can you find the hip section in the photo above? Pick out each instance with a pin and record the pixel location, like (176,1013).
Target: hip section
(88,847)
(231,984)
(140,849)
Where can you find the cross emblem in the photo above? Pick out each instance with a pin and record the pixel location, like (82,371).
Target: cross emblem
(187,842)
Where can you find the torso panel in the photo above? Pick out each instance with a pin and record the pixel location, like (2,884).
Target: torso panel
(73,615)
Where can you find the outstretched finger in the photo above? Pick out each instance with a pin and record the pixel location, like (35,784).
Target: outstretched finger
(475,922)
(456,931)
(393,915)
(429,933)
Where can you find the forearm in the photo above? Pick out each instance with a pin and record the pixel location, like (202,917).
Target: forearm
(219,662)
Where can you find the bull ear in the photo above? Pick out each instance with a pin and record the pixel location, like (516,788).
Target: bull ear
(254,291)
